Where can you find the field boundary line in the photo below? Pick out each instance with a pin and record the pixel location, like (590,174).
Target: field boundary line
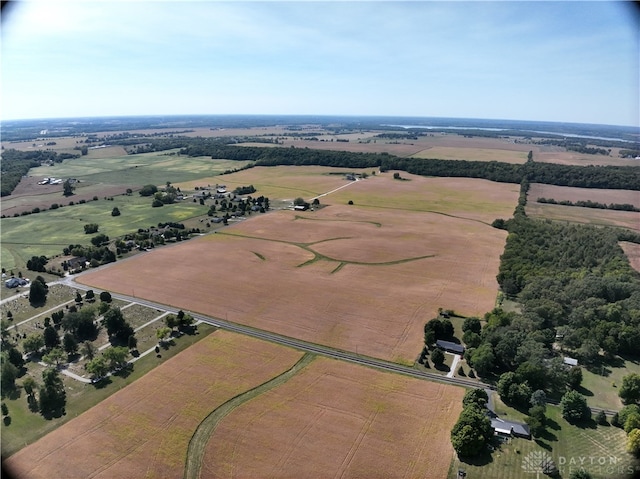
(202,434)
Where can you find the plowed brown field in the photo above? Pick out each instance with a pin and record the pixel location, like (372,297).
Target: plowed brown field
(338,420)
(360,279)
(569,193)
(144,429)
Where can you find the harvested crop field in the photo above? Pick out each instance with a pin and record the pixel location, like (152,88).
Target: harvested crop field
(592,216)
(473,154)
(569,193)
(338,420)
(632,250)
(144,429)
(355,278)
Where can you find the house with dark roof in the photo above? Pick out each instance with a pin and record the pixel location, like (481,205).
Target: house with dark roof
(450,347)
(510,428)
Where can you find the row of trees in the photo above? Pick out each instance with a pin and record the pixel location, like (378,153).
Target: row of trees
(590,204)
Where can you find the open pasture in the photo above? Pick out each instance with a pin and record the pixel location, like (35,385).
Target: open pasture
(144,429)
(570,193)
(577,214)
(360,279)
(334,419)
(48,232)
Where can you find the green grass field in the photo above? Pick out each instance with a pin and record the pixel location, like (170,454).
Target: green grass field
(146,168)
(48,232)
(601,385)
(598,450)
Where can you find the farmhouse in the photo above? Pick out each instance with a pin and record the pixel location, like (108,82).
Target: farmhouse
(450,347)
(510,428)
(77,264)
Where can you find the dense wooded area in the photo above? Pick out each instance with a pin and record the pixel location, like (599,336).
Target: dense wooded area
(16,164)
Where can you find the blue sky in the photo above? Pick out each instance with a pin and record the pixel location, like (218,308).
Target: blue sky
(552,61)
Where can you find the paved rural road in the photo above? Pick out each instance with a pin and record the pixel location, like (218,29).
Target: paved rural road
(299,344)
(316,348)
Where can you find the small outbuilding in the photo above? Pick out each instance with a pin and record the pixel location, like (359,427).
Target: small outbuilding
(570,361)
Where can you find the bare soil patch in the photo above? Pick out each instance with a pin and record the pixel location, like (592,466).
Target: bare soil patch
(569,193)
(144,429)
(338,420)
(319,277)
(632,250)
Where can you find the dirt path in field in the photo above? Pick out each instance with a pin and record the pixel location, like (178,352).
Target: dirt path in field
(200,438)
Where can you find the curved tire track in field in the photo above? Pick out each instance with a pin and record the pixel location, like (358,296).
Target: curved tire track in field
(202,434)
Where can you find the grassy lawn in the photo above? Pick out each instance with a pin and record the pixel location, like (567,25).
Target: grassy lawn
(26,427)
(601,385)
(599,450)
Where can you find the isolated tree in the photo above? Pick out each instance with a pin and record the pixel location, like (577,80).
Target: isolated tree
(8,375)
(615,420)
(437,357)
(601,418)
(70,344)
(33,343)
(78,297)
(51,338)
(163,333)
(472,432)
(299,201)
(105,297)
(14,357)
(67,188)
(54,357)
(116,357)
(4,409)
(574,377)
(97,367)
(89,295)
(148,190)
(29,385)
(630,390)
(574,407)
(536,420)
(115,211)
(38,292)
(91,228)
(117,326)
(52,394)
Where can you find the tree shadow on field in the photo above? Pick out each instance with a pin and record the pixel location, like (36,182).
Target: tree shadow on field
(550,423)
(584,391)
(543,445)
(481,459)
(124,372)
(442,367)
(547,436)
(102,383)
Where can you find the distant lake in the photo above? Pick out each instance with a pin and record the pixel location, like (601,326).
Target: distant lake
(557,133)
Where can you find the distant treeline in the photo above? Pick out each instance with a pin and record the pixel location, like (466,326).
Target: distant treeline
(614,177)
(16,164)
(590,204)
